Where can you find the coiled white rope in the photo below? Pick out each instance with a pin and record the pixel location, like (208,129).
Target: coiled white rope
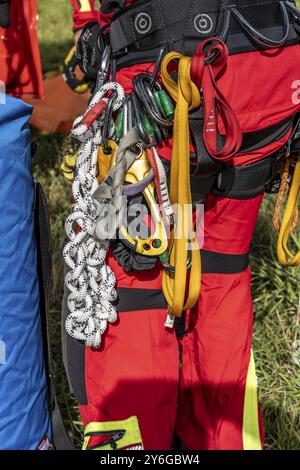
(90,281)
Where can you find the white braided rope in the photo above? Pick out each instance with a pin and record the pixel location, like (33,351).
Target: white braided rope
(136,448)
(90,281)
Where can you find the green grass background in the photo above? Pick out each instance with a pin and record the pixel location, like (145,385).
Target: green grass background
(275,289)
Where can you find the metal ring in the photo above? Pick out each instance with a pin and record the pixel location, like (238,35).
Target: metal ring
(203,23)
(143,23)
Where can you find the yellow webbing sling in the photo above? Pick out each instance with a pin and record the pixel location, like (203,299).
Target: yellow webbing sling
(187,97)
(285,256)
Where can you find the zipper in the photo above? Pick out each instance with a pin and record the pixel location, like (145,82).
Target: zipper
(115,437)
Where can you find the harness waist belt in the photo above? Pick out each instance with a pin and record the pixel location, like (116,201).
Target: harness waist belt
(139,31)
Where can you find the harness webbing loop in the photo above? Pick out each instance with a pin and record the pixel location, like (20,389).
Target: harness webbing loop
(187,97)
(208,65)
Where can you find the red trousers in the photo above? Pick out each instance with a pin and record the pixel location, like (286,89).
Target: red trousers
(20,63)
(194,385)
(199,383)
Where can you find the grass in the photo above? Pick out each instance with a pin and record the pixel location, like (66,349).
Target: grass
(277,312)
(275,289)
(55,32)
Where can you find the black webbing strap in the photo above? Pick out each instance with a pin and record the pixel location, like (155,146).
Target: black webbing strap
(234,182)
(261,138)
(134,300)
(138,32)
(111,6)
(61,439)
(204,169)
(220,263)
(249,181)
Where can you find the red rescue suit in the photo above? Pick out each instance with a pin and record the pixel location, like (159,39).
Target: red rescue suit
(201,383)
(83,12)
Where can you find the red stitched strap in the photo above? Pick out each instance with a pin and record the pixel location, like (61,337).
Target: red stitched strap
(208,64)
(152,162)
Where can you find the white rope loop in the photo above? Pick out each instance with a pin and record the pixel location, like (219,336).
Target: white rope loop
(91,283)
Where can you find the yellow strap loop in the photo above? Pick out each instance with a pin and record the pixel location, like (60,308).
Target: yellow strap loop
(285,256)
(187,97)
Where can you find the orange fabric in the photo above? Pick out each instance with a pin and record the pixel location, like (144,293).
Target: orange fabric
(58,109)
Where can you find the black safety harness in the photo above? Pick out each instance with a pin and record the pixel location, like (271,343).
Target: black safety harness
(247,181)
(137,34)
(138,31)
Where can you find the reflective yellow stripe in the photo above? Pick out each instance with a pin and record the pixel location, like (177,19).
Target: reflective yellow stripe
(251,432)
(84,5)
(132,436)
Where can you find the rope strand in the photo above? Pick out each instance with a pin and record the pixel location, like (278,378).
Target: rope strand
(90,281)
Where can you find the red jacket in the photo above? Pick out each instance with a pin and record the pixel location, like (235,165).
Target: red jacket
(84,11)
(87,10)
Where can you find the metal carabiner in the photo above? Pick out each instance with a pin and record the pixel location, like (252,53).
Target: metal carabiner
(164,259)
(113,70)
(157,242)
(161,54)
(155,111)
(145,93)
(128,115)
(138,120)
(107,121)
(104,68)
